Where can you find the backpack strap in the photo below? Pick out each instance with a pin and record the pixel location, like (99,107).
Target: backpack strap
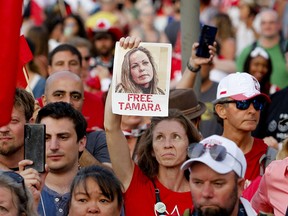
(267,158)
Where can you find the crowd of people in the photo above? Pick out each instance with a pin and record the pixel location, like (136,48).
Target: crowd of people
(221,151)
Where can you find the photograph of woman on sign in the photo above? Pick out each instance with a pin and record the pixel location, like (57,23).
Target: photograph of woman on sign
(139,73)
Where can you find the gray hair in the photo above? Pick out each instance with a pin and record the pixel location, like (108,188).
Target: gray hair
(24,200)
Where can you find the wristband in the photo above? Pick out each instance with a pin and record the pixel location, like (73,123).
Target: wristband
(192,69)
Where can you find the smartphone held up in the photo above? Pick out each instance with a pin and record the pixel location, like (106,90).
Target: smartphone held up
(206,38)
(34,145)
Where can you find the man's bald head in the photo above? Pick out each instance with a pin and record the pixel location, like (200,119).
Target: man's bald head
(64,86)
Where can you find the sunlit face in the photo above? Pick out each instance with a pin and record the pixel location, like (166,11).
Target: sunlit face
(141,69)
(269,25)
(68,89)
(170,143)
(62,147)
(12,135)
(258,67)
(214,193)
(8,204)
(92,201)
(235,119)
(65,61)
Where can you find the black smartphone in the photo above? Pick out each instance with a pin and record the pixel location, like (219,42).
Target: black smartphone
(206,38)
(34,145)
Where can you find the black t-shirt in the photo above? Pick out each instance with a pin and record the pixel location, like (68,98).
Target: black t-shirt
(274,118)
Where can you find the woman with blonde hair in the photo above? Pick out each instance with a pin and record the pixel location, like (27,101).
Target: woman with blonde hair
(139,73)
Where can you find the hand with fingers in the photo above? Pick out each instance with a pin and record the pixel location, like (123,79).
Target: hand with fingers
(196,62)
(34,180)
(129,42)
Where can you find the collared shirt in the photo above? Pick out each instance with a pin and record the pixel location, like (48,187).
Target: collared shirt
(272,193)
(52,203)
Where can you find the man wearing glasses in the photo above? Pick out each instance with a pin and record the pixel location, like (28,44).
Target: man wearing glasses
(238,105)
(217,169)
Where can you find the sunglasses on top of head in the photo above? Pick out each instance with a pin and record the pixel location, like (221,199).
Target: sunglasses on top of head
(258,103)
(217,152)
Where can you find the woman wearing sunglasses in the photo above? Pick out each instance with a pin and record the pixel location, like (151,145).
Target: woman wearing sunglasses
(15,199)
(238,106)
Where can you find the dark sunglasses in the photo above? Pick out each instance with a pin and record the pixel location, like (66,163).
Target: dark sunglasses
(217,152)
(17,178)
(258,104)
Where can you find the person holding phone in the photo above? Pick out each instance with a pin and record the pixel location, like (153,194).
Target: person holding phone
(65,139)
(139,73)
(12,142)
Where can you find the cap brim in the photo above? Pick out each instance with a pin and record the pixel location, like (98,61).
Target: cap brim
(240,97)
(243,97)
(218,167)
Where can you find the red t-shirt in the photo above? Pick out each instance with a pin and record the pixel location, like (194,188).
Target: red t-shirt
(93,110)
(253,167)
(139,199)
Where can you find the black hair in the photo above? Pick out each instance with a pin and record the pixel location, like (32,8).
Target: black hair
(65,47)
(59,110)
(265,82)
(109,184)
(81,32)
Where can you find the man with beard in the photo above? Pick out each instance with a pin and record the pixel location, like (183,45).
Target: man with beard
(217,168)
(12,134)
(103,47)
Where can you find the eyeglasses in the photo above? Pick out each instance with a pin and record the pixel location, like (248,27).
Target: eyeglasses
(245,104)
(217,152)
(259,51)
(17,178)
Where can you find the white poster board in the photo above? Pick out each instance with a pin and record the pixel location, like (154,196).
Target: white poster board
(141,79)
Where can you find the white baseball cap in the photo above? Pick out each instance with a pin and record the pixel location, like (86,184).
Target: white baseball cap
(234,160)
(239,86)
